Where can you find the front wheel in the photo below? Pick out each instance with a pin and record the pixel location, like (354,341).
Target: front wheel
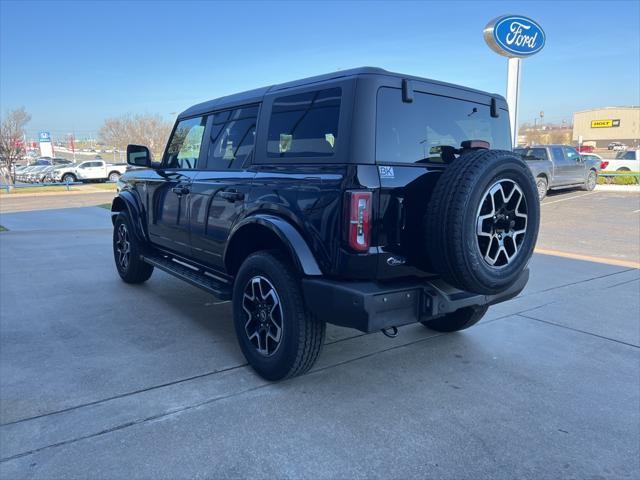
(126,252)
(278,336)
(114,177)
(458,320)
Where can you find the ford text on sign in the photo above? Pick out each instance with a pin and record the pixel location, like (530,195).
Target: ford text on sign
(514,36)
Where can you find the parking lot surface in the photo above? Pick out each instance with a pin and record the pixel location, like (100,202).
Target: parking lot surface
(106,380)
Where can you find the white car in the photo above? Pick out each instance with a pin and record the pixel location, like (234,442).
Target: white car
(90,170)
(628,161)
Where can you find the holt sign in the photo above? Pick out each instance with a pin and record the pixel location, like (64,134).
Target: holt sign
(514,36)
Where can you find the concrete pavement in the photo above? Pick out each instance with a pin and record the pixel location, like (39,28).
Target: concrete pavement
(99,379)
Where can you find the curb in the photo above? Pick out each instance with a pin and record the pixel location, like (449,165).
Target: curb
(618,188)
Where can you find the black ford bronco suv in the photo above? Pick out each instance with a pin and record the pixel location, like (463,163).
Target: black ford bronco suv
(362,198)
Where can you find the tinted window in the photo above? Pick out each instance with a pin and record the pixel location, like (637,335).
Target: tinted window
(305,125)
(232,142)
(572,154)
(184,147)
(556,153)
(531,154)
(429,128)
(629,155)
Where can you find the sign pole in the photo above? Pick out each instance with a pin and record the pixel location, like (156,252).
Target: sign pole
(514,68)
(515,37)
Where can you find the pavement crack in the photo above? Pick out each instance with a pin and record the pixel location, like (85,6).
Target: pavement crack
(584,281)
(123,395)
(578,330)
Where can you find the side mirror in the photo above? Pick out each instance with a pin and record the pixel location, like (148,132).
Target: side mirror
(138,156)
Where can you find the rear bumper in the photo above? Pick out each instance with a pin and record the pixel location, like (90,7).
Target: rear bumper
(369,306)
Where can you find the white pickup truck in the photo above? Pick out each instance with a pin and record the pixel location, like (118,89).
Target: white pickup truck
(628,161)
(91,170)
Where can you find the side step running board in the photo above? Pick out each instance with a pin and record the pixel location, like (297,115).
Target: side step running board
(197,278)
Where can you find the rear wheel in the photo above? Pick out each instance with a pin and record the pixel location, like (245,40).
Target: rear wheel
(68,178)
(126,252)
(591,180)
(542,187)
(458,320)
(278,336)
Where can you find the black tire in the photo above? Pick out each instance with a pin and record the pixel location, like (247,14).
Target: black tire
(542,187)
(591,181)
(301,334)
(69,178)
(458,320)
(453,214)
(113,176)
(133,270)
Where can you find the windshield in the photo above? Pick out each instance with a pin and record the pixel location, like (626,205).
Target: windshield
(431,127)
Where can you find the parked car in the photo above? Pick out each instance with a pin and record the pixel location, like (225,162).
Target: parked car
(362,198)
(616,146)
(592,157)
(61,161)
(91,170)
(559,166)
(626,162)
(585,148)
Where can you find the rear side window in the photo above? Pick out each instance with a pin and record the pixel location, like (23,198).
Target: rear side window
(532,154)
(305,125)
(429,128)
(233,135)
(571,154)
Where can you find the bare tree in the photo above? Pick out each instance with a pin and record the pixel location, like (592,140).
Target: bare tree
(12,147)
(149,130)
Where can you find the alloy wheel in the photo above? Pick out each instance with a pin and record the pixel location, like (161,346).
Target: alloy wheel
(123,247)
(501,223)
(264,315)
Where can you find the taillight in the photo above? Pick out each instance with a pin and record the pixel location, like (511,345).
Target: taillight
(358,220)
(603,165)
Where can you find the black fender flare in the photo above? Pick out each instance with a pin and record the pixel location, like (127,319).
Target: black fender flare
(126,200)
(287,234)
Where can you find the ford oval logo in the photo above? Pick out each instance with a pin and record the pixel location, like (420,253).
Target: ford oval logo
(514,36)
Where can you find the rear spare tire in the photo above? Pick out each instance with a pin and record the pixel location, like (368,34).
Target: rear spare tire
(482,222)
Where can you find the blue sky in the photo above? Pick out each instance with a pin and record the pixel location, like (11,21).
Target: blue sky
(73,64)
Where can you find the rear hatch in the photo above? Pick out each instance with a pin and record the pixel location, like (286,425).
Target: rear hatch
(414,143)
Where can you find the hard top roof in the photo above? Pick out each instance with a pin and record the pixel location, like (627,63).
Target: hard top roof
(255,96)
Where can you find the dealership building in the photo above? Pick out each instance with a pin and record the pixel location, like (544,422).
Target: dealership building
(601,126)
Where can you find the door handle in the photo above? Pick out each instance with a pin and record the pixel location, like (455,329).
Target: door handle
(232,195)
(181,190)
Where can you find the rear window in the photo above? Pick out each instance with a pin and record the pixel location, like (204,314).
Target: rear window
(532,154)
(428,129)
(305,125)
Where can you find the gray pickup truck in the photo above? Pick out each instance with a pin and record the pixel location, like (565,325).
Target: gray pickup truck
(559,166)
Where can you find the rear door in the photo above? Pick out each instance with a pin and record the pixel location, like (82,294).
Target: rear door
(414,143)
(169,189)
(576,172)
(561,173)
(219,189)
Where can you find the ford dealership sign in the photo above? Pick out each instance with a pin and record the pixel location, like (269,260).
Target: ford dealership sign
(514,36)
